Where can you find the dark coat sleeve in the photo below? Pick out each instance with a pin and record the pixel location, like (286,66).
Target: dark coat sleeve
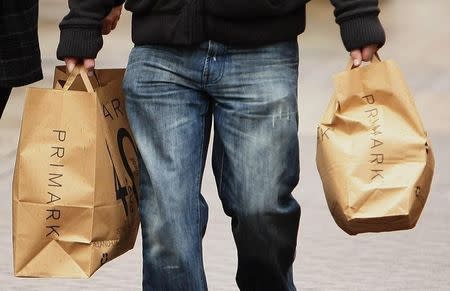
(20,58)
(359,23)
(81,29)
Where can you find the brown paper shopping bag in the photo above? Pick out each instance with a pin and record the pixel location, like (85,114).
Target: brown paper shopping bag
(75,189)
(373,154)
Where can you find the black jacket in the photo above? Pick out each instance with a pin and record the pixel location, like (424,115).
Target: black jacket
(20,59)
(185,22)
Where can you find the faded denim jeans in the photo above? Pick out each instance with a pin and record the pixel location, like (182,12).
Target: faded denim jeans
(249,94)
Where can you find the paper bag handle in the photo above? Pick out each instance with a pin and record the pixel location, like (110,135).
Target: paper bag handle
(78,70)
(375,59)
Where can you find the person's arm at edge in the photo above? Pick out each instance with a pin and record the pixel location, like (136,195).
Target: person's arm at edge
(81,30)
(361,30)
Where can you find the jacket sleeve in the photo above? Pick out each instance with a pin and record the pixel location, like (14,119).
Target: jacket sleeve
(81,29)
(359,23)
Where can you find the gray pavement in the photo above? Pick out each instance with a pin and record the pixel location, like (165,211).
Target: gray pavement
(327,259)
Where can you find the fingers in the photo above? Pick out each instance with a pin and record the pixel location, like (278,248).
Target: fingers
(365,54)
(70,64)
(357,57)
(118,9)
(114,24)
(368,52)
(89,64)
(109,23)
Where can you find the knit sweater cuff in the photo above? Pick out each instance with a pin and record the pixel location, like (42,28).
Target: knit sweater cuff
(362,31)
(80,43)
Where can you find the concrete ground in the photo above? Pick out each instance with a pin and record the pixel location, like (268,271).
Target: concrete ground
(327,259)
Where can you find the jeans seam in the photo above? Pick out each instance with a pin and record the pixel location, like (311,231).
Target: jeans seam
(205,73)
(199,230)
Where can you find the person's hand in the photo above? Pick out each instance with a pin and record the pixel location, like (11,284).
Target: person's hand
(365,54)
(89,64)
(109,23)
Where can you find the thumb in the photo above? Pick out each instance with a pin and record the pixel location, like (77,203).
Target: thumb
(357,57)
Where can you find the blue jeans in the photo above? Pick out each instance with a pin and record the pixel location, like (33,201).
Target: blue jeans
(172,94)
